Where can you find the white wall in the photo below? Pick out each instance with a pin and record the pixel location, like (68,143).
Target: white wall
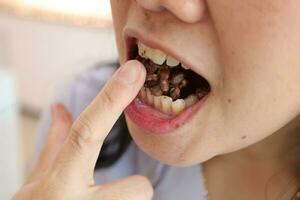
(10,160)
(45,56)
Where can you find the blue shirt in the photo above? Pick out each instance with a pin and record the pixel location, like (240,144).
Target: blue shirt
(169,182)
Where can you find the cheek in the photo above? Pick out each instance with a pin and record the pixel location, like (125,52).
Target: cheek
(258,35)
(259,44)
(257,32)
(260,52)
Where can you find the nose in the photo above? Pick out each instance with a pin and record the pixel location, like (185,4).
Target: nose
(189,11)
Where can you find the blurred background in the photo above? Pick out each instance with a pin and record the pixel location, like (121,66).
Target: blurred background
(43,44)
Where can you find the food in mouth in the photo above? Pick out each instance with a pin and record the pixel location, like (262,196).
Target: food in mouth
(170,86)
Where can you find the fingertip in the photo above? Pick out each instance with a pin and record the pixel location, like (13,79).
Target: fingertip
(60,113)
(140,65)
(131,72)
(61,121)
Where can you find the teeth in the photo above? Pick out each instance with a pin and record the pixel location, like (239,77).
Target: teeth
(150,97)
(157,56)
(184,67)
(142,94)
(163,103)
(172,62)
(190,100)
(178,106)
(142,49)
(166,103)
(157,102)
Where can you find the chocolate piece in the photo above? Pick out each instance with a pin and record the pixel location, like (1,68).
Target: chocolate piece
(164,74)
(177,78)
(175,93)
(151,77)
(164,85)
(152,67)
(156,91)
(183,83)
(152,83)
(142,60)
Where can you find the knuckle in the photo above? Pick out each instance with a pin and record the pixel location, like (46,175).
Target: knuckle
(81,132)
(46,190)
(108,98)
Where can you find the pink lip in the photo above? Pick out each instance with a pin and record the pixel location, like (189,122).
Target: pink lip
(157,122)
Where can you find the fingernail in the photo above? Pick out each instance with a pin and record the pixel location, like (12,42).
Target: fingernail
(129,72)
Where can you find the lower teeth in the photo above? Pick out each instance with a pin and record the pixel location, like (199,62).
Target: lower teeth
(166,88)
(165,103)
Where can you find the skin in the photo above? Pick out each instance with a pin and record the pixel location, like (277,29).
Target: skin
(248,51)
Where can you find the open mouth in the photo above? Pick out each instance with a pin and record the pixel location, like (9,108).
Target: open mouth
(172,92)
(170,86)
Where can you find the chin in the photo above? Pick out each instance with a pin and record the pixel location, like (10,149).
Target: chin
(174,149)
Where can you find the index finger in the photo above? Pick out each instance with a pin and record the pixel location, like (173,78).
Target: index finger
(80,152)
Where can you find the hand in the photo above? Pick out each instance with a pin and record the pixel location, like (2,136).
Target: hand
(66,165)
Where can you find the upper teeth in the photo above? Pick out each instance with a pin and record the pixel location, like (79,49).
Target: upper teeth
(156,56)
(172,61)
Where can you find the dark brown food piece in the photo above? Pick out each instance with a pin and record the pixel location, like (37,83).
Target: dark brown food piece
(156,91)
(183,83)
(151,67)
(150,84)
(164,74)
(151,77)
(175,93)
(164,85)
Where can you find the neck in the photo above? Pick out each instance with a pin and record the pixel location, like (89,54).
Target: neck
(269,168)
(282,146)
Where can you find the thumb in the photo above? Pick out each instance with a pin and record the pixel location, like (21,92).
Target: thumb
(60,126)
(135,187)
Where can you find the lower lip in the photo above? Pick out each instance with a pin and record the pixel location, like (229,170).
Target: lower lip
(157,122)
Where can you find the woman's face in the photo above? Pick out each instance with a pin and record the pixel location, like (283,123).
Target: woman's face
(247,50)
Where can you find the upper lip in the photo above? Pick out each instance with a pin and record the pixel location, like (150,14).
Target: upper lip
(131,36)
